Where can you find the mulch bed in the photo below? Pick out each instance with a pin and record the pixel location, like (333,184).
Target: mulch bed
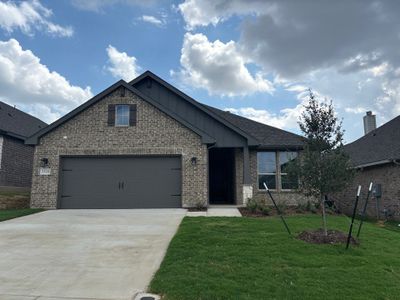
(290,211)
(197,209)
(247,213)
(318,237)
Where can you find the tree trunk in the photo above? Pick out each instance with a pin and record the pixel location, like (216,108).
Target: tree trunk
(324,215)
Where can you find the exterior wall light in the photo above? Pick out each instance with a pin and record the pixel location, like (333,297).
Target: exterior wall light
(193,161)
(44,162)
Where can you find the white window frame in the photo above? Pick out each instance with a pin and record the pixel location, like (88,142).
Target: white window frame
(116,115)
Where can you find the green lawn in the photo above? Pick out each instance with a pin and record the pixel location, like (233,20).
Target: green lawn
(6,214)
(249,258)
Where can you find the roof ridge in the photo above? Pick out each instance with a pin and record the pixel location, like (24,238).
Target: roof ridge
(250,120)
(373,132)
(22,112)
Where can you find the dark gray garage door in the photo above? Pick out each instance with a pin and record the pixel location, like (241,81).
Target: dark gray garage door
(120,182)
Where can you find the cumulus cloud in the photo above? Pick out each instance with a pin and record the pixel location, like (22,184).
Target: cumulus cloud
(30,16)
(286,119)
(346,50)
(100,5)
(204,12)
(218,67)
(26,82)
(152,20)
(121,65)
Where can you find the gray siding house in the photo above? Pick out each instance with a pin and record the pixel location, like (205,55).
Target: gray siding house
(15,157)
(376,158)
(146,144)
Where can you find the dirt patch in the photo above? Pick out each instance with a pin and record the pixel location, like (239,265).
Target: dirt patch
(318,237)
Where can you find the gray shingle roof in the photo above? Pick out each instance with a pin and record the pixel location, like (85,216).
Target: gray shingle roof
(17,123)
(378,145)
(268,136)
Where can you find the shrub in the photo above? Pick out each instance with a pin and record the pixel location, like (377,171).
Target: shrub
(257,206)
(265,210)
(282,207)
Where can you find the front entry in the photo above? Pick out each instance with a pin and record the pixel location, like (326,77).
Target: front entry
(221,175)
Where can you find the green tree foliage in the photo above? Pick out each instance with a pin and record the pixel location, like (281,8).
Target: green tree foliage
(323,167)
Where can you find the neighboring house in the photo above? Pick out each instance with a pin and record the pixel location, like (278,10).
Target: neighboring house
(376,158)
(15,157)
(146,144)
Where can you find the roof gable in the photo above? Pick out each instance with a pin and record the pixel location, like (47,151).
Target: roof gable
(258,134)
(17,123)
(143,79)
(34,139)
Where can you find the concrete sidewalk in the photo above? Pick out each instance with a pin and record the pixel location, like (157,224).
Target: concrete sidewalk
(83,254)
(216,212)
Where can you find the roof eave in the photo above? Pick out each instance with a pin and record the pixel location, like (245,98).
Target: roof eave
(11,134)
(372,164)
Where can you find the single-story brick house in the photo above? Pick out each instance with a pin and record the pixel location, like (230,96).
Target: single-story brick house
(15,157)
(146,144)
(376,158)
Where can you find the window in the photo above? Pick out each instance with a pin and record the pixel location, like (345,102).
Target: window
(122,115)
(272,169)
(266,165)
(287,183)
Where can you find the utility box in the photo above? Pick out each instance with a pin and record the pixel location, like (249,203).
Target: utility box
(377,190)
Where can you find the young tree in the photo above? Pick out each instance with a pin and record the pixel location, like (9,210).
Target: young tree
(323,167)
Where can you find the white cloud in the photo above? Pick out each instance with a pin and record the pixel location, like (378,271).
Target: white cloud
(286,119)
(218,67)
(352,60)
(152,20)
(121,65)
(204,12)
(100,5)
(26,82)
(28,16)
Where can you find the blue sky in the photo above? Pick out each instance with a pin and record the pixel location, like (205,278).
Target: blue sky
(255,58)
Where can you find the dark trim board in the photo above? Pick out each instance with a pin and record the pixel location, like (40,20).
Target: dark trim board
(34,139)
(119,181)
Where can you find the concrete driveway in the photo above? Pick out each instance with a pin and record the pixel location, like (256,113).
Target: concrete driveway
(81,254)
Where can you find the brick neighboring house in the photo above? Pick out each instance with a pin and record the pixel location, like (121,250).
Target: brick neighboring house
(15,157)
(376,158)
(146,144)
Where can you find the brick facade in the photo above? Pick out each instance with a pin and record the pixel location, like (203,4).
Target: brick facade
(388,176)
(16,163)
(154,134)
(287,197)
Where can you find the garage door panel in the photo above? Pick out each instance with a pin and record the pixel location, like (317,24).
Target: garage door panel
(125,182)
